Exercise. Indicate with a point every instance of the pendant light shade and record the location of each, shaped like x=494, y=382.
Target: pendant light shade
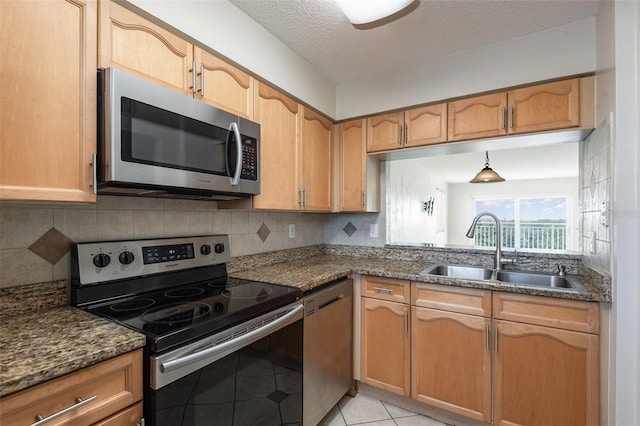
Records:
x=487, y=175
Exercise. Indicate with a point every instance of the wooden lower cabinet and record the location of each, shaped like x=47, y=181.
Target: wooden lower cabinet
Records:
x=545, y=376
x=451, y=361
x=385, y=345
x=114, y=385
x=501, y=358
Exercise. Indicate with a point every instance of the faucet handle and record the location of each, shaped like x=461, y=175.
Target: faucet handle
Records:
x=561, y=270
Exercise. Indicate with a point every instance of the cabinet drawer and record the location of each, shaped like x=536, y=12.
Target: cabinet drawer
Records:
x=128, y=417
x=115, y=383
x=548, y=311
x=386, y=289
x=454, y=299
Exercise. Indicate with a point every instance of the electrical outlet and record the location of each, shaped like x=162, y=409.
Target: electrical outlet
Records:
x=373, y=230
x=292, y=230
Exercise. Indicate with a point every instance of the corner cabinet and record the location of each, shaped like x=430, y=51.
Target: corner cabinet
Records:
x=385, y=335
x=48, y=77
x=107, y=394
x=295, y=154
x=315, y=160
x=557, y=105
x=414, y=127
x=359, y=173
x=134, y=44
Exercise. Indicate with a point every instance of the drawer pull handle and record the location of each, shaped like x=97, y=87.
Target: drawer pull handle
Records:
x=383, y=290
x=79, y=403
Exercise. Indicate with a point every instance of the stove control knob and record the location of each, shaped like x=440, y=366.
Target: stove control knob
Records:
x=126, y=257
x=101, y=260
x=219, y=248
x=205, y=249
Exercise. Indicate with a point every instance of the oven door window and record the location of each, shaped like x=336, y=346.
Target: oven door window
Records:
x=260, y=384
x=158, y=137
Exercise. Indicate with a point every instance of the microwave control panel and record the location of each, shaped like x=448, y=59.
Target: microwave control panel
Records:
x=249, y=159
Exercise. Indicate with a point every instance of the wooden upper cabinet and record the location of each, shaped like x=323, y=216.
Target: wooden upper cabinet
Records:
x=279, y=118
x=544, y=107
x=131, y=43
x=48, y=100
x=477, y=117
x=384, y=131
x=415, y=127
x=223, y=85
x=426, y=125
x=353, y=165
x=315, y=153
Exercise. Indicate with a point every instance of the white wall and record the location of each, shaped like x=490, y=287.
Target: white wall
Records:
x=557, y=52
x=224, y=28
x=625, y=326
x=407, y=189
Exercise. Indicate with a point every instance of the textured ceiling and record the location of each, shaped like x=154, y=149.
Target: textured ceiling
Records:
x=318, y=31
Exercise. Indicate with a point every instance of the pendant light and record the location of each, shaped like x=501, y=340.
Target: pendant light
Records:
x=487, y=175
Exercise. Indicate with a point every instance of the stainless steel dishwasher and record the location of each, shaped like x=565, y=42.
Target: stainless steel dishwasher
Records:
x=328, y=348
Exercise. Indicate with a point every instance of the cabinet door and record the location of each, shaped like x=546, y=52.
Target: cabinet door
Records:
x=384, y=132
x=477, y=117
x=223, y=85
x=48, y=100
x=426, y=125
x=545, y=376
x=385, y=345
x=451, y=362
x=353, y=165
x=315, y=153
x=545, y=107
x=131, y=43
x=278, y=118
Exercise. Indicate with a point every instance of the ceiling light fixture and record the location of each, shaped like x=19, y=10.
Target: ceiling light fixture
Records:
x=365, y=14
x=487, y=175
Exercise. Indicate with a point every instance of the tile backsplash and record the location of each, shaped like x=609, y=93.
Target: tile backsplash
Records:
x=35, y=238
x=595, y=197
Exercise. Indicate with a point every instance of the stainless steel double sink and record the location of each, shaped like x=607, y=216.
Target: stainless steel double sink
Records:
x=517, y=278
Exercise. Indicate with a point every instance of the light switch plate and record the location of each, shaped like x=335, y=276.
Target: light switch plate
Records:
x=373, y=230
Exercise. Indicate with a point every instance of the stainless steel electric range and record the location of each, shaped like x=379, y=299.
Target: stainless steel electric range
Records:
x=219, y=351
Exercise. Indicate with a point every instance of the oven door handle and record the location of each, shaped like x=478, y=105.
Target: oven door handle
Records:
x=249, y=337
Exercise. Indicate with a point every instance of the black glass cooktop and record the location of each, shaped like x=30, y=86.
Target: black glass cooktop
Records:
x=178, y=315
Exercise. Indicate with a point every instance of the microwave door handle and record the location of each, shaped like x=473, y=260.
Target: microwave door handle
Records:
x=235, y=179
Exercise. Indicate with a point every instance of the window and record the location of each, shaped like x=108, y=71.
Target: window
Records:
x=527, y=223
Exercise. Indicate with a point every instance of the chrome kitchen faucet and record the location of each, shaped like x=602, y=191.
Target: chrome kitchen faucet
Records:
x=497, y=261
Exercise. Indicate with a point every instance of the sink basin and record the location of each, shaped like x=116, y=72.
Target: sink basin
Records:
x=539, y=279
x=458, y=271
x=517, y=278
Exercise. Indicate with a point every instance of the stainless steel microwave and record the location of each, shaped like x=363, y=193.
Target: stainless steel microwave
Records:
x=158, y=143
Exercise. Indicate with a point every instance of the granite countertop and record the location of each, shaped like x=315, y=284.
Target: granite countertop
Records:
x=48, y=343
x=310, y=273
